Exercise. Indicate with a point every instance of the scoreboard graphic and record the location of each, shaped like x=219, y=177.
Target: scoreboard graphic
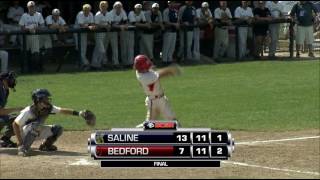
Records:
x=161, y=144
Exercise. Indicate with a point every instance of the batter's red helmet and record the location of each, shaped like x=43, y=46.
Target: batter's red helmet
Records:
x=142, y=63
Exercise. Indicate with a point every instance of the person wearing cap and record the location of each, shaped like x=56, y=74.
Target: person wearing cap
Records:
x=261, y=13
x=276, y=10
x=222, y=15
x=101, y=20
x=30, y=22
x=171, y=21
x=203, y=18
x=187, y=18
x=84, y=20
x=154, y=17
x=138, y=19
x=119, y=20
x=244, y=14
x=14, y=14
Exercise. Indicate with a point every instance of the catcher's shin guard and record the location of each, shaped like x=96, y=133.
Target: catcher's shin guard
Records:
x=47, y=145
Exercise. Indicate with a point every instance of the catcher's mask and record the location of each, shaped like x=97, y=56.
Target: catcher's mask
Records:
x=10, y=77
x=41, y=98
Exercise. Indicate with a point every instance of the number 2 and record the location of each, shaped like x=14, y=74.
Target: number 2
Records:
x=219, y=151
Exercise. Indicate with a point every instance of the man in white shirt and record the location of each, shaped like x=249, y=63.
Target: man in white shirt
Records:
x=102, y=21
x=276, y=10
x=204, y=16
x=14, y=14
x=243, y=13
x=31, y=21
x=154, y=17
x=222, y=15
x=119, y=20
x=84, y=20
x=30, y=126
x=138, y=19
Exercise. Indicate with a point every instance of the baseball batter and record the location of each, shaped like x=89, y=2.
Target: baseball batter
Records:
x=156, y=102
x=29, y=125
x=102, y=21
x=84, y=19
x=31, y=21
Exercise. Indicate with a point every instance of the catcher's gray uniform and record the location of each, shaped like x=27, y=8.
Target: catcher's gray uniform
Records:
x=102, y=41
x=119, y=19
x=147, y=41
x=81, y=19
x=31, y=22
x=4, y=61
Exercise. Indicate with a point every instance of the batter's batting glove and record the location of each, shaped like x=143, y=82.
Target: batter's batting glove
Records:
x=89, y=117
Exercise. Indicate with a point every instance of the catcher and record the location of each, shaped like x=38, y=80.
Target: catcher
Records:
x=149, y=79
x=29, y=125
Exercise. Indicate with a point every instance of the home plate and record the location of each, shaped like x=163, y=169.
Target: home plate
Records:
x=84, y=162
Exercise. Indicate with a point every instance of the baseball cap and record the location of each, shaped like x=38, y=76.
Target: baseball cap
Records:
x=205, y=5
x=155, y=5
x=30, y=3
x=138, y=6
x=56, y=12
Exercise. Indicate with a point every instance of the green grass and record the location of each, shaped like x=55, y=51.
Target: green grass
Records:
x=263, y=96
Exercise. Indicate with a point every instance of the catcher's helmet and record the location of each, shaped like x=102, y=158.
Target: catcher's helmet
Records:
x=142, y=63
x=39, y=94
x=10, y=77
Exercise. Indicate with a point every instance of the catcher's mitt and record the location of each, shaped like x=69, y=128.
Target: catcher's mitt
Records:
x=89, y=117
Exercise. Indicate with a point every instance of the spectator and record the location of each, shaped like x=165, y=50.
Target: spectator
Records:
x=154, y=18
x=204, y=18
x=303, y=13
x=138, y=19
x=55, y=21
x=84, y=20
x=261, y=14
x=31, y=21
x=187, y=17
x=275, y=9
x=171, y=21
x=244, y=14
x=221, y=34
x=102, y=21
x=14, y=14
x=119, y=20
x=3, y=53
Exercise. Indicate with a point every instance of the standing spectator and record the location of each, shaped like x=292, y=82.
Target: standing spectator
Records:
x=304, y=14
x=153, y=17
x=204, y=18
x=171, y=21
x=3, y=53
x=138, y=19
x=55, y=21
x=221, y=33
x=187, y=17
x=84, y=20
x=31, y=21
x=102, y=21
x=244, y=14
x=14, y=14
x=275, y=9
x=119, y=20
x=262, y=15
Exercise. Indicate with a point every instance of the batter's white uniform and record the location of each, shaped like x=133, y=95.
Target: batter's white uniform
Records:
x=276, y=11
x=221, y=34
x=15, y=13
x=81, y=19
x=156, y=102
x=4, y=61
x=102, y=42
x=147, y=39
x=201, y=16
x=134, y=18
x=118, y=20
x=30, y=22
x=26, y=117
x=243, y=32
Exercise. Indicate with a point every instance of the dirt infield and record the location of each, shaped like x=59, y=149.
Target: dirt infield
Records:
x=293, y=155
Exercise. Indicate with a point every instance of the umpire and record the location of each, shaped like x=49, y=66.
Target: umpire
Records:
x=7, y=80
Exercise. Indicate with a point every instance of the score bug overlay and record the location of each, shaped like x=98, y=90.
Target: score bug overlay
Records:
x=161, y=144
